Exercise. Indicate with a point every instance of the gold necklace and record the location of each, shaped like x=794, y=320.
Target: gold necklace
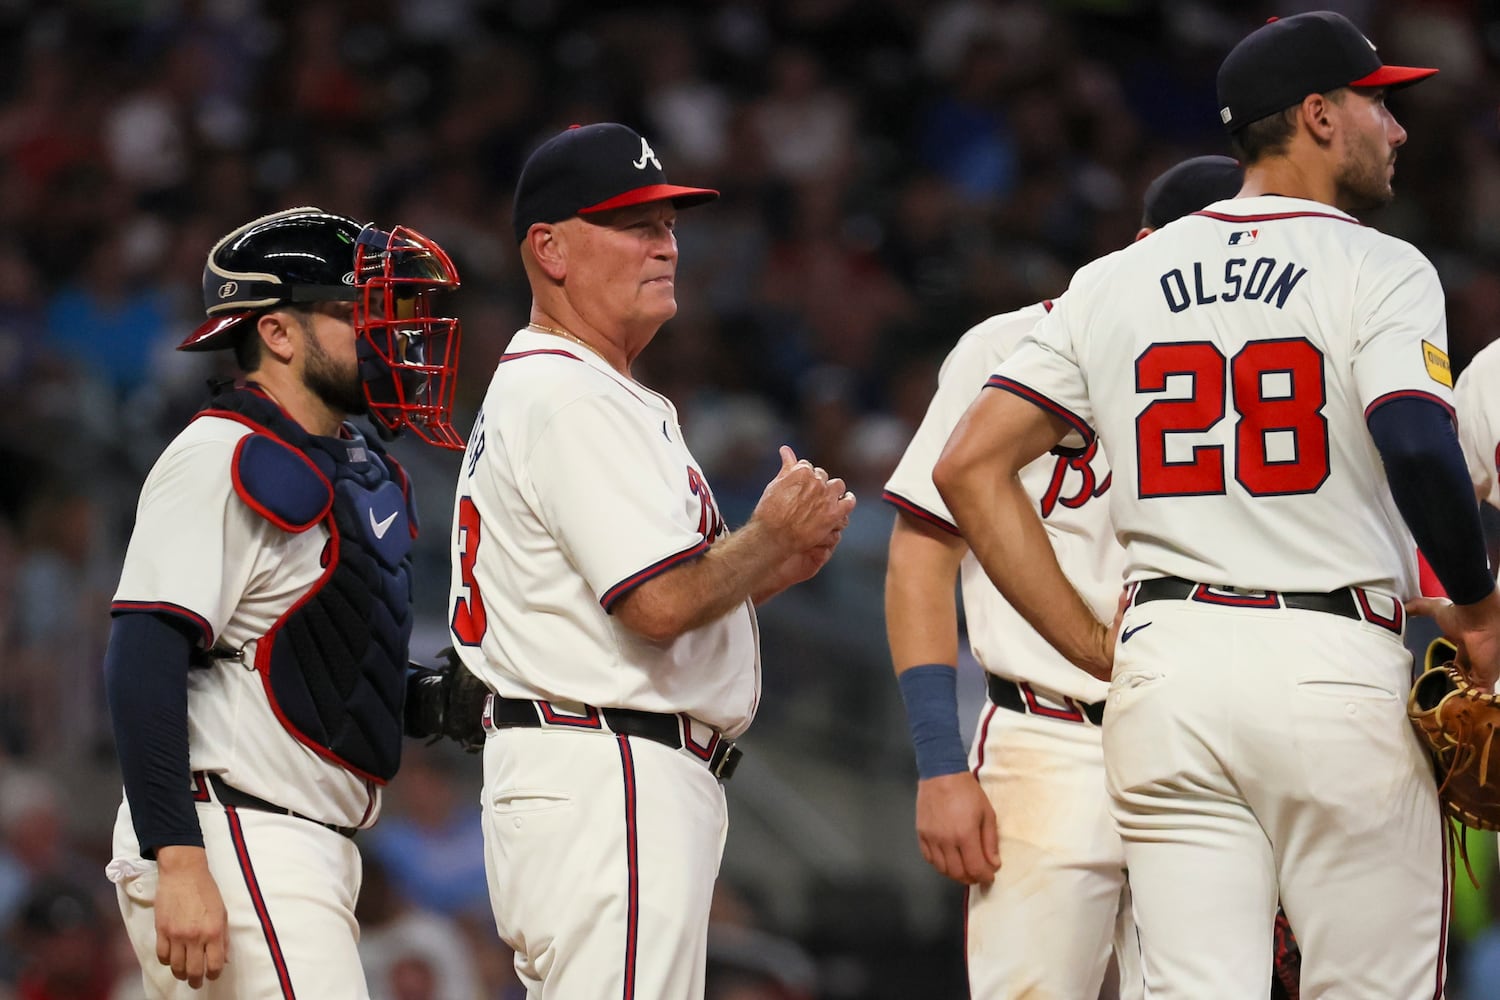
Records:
x=544, y=328
x=561, y=333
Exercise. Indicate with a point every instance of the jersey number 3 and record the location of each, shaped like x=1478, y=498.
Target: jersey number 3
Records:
x=469, y=622
x=1280, y=438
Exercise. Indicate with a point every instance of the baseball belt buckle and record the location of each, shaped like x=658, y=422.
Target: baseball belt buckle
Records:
x=725, y=759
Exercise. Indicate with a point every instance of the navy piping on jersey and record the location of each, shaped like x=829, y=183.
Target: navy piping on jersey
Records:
x=1032, y=396
x=1392, y=397
x=920, y=513
x=262, y=913
x=620, y=589
x=197, y=621
x=632, y=867
x=1277, y=216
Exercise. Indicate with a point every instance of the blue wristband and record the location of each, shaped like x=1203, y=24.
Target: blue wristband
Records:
x=930, y=691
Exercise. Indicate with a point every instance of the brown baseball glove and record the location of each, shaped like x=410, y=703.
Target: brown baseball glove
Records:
x=1457, y=722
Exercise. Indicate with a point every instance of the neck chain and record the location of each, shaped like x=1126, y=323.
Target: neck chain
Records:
x=559, y=332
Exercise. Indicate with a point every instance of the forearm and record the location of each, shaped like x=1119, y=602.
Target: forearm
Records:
x=1023, y=566
x=921, y=616
x=921, y=609
x=145, y=676
x=731, y=571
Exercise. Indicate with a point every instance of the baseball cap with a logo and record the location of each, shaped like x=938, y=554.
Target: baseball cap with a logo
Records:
x=1284, y=60
x=594, y=168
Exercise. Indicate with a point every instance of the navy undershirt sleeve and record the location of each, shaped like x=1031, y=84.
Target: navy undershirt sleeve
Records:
x=1431, y=487
x=145, y=680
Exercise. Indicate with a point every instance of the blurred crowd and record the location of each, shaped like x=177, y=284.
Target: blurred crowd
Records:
x=892, y=172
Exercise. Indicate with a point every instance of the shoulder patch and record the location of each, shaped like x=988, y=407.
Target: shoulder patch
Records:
x=279, y=483
x=1438, y=368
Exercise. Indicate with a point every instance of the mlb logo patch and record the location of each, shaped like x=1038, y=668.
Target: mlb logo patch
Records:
x=1243, y=237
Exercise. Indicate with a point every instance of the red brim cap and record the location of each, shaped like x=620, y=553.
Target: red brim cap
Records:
x=1393, y=76
x=215, y=334
x=682, y=197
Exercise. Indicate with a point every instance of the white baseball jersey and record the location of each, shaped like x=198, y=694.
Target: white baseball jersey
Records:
x=1479, y=420
x=199, y=553
x=577, y=487
x=1069, y=491
x=1228, y=373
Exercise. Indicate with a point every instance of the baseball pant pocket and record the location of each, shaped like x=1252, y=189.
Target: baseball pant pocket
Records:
x=1347, y=735
x=521, y=801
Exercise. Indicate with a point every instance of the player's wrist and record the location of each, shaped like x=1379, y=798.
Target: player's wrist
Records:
x=930, y=692
x=172, y=858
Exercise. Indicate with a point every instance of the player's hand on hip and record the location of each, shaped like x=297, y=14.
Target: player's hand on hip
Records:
x=192, y=926
x=957, y=829
x=1473, y=628
x=804, y=505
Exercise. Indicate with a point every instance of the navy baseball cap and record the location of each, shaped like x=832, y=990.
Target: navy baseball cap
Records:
x=1284, y=60
x=1189, y=186
x=594, y=168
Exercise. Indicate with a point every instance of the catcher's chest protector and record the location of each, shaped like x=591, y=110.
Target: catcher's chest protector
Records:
x=334, y=665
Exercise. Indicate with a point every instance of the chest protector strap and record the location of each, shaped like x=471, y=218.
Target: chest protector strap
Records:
x=334, y=665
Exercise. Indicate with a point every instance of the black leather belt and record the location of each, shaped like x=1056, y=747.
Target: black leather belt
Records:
x=1350, y=602
x=1020, y=698
x=719, y=755
x=228, y=795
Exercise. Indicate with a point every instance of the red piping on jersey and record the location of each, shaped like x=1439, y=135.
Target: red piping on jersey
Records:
x=1047, y=304
x=369, y=805
x=1032, y=396
x=906, y=506
x=1391, y=397
x=1277, y=216
x=614, y=593
x=175, y=610
x=569, y=354
x=632, y=868
x=262, y=509
x=262, y=914
x=516, y=355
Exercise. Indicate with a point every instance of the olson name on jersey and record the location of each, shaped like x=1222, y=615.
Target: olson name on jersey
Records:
x=1241, y=280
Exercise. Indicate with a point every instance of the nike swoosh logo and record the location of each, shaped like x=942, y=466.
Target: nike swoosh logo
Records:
x=381, y=527
x=664, y=431
x=1125, y=635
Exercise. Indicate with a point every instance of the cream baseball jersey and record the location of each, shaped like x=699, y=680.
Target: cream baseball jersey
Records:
x=1069, y=489
x=1479, y=421
x=576, y=488
x=1230, y=392
x=201, y=553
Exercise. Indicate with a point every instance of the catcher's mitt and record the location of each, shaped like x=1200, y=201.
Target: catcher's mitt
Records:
x=446, y=700
x=1457, y=721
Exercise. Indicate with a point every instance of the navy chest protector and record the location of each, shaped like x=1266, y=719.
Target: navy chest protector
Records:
x=334, y=665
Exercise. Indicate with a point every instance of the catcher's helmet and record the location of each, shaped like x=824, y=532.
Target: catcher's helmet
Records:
x=408, y=356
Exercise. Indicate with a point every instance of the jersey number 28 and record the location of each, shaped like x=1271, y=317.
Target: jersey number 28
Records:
x=1277, y=389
